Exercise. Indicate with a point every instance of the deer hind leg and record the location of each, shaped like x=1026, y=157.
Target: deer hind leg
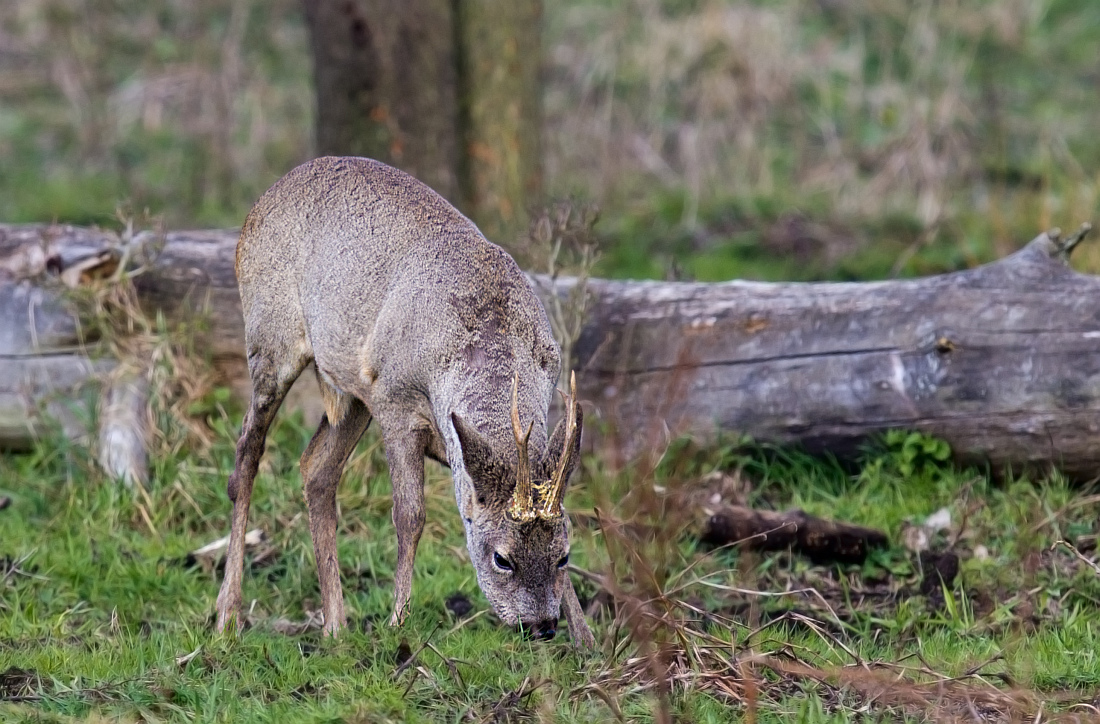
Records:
x=344, y=423
x=271, y=380
x=405, y=455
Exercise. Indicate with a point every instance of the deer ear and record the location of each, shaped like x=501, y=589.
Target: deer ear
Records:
x=554, y=449
x=482, y=463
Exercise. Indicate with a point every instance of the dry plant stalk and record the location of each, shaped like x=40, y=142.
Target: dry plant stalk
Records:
x=657, y=651
x=562, y=241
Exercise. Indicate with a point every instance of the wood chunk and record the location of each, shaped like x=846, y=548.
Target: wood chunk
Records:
x=765, y=530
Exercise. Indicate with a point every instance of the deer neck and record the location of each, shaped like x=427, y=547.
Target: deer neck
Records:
x=484, y=402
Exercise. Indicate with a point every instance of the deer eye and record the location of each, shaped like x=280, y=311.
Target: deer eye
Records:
x=564, y=561
x=501, y=562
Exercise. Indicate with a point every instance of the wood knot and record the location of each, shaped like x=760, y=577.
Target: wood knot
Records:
x=756, y=324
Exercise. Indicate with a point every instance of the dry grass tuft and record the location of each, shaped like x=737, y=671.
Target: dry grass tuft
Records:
x=180, y=380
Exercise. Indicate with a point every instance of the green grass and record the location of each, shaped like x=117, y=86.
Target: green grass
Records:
x=101, y=603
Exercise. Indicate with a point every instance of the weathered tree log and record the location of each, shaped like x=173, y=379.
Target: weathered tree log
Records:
x=1002, y=361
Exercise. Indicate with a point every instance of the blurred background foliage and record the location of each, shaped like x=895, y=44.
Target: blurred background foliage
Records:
x=766, y=139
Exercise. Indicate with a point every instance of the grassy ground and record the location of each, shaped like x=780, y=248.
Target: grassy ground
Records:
x=807, y=139
x=793, y=139
x=98, y=600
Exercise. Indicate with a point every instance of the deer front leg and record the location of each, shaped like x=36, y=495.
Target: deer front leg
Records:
x=405, y=454
x=574, y=615
x=267, y=395
x=321, y=465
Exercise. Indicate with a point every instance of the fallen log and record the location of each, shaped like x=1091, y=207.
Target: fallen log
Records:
x=1002, y=361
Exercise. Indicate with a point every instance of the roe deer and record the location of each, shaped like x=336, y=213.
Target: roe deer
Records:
x=415, y=320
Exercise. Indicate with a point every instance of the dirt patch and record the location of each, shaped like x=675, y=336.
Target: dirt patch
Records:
x=458, y=604
x=305, y=692
x=12, y=567
x=939, y=571
x=19, y=684
x=403, y=653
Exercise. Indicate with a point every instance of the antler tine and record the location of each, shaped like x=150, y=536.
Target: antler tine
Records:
x=552, y=504
x=522, y=503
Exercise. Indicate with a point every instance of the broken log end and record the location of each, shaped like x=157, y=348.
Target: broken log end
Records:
x=1066, y=247
x=124, y=427
x=1050, y=245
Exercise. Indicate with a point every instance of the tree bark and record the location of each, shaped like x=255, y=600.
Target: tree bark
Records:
x=501, y=102
x=387, y=84
x=1002, y=361
x=447, y=91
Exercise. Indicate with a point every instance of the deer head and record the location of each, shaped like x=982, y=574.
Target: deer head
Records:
x=516, y=529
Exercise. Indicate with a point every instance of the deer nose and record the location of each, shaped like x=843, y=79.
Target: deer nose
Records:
x=545, y=630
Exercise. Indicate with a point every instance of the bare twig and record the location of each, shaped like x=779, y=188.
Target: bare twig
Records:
x=412, y=657
x=1079, y=555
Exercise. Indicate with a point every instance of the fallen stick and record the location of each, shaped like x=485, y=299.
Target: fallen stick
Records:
x=214, y=549
x=819, y=539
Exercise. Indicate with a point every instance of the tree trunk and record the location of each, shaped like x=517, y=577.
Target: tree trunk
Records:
x=447, y=91
x=500, y=60
x=387, y=84
x=1002, y=361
